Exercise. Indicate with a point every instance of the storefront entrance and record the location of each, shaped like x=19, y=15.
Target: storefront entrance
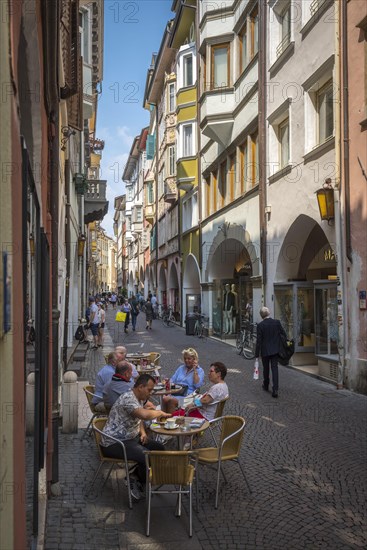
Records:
x=231, y=305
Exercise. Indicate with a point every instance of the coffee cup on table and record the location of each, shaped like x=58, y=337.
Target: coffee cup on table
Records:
x=171, y=422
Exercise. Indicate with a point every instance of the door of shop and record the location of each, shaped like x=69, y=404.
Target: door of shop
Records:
x=294, y=307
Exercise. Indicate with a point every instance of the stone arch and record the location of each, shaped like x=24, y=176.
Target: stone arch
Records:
x=305, y=252
x=173, y=277
x=190, y=282
x=231, y=246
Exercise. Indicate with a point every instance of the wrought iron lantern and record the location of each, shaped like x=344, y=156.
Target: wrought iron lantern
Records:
x=325, y=200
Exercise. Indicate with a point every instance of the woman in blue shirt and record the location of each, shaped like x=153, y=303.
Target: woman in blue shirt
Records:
x=189, y=375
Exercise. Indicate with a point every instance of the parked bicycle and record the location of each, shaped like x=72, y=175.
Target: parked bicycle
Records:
x=168, y=317
x=200, y=327
x=246, y=340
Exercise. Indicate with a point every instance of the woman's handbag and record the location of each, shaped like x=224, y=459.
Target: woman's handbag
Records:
x=120, y=317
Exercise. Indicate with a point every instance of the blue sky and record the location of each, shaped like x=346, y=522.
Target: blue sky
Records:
x=133, y=31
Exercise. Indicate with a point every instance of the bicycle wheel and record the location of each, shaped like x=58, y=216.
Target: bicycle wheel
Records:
x=239, y=343
x=249, y=346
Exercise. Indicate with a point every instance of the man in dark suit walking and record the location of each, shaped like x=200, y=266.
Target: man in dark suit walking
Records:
x=268, y=345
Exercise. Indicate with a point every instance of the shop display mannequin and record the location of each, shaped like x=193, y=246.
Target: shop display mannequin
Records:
x=228, y=307
x=234, y=312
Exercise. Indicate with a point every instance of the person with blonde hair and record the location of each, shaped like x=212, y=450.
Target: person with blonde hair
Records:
x=189, y=375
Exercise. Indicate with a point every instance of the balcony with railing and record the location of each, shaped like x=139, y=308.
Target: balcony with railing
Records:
x=95, y=203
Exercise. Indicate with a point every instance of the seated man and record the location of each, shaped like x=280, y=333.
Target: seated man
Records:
x=126, y=423
x=104, y=376
x=122, y=352
x=205, y=406
x=120, y=383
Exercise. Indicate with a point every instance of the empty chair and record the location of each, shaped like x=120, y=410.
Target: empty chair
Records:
x=170, y=468
x=89, y=392
x=98, y=425
x=227, y=448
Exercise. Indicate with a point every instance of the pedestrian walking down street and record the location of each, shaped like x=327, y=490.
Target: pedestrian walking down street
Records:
x=148, y=308
x=268, y=346
x=126, y=308
x=113, y=300
x=135, y=310
x=102, y=320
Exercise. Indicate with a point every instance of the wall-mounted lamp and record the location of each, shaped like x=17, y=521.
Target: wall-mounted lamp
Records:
x=81, y=245
x=268, y=211
x=66, y=132
x=325, y=200
x=31, y=244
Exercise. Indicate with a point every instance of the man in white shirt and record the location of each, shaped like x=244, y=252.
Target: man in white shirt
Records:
x=94, y=321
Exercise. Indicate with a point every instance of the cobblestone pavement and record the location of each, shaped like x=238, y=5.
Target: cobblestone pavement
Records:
x=305, y=456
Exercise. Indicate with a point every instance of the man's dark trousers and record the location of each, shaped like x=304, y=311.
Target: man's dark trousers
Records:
x=267, y=361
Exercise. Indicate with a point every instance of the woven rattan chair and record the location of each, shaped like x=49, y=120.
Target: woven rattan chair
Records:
x=228, y=448
x=98, y=425
x=154, y=358
x=170, y=468
x=218, y=413
x=89, y=392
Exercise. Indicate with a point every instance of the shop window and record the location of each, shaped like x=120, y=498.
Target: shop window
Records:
x=326, y=307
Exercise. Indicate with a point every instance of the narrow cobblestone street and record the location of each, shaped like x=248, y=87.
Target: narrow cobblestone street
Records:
x=304, y=454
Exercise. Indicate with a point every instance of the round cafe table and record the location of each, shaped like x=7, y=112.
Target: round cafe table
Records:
x=184, y=428
x=161, y=391
x=148, y=369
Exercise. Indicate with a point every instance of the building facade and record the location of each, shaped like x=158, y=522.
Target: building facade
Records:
x=270, y=157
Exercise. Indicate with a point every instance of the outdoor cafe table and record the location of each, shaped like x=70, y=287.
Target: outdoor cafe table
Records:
x=162, y=391
x=184, y=428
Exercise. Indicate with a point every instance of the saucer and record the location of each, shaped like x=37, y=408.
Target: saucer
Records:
x=171, y=427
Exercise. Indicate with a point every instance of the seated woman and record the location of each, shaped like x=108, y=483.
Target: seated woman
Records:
x=189, y=375
x=205, y=406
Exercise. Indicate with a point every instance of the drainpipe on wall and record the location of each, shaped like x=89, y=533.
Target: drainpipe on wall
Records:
x=67, y=254
x=262, y=142
x=198, y=134
x=344, y=31
x=339, y=207
x=156, y=194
